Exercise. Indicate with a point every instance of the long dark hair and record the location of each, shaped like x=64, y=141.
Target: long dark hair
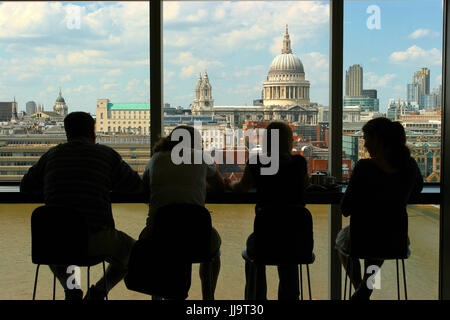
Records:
x=285, y=137
x=391, y=135
x=166, y=143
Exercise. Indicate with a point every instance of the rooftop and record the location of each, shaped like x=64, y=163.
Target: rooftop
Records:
x=128, y=106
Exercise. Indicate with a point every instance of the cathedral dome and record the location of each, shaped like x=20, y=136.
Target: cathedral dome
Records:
x=286, y=62
x=286, y=85
x=60, y=99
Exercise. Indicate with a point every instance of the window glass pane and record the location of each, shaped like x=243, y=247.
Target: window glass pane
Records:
x=60, y=57
x=233, y=222
x=393, y=69
x=235, y=67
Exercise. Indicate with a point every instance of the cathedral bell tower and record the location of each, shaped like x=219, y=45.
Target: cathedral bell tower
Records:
x=203, y=94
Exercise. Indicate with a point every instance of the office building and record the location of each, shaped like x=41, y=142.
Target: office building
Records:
x=422, y=77
x=370, y=93
x=354, y=81
x=30, y=107
x=8, y=110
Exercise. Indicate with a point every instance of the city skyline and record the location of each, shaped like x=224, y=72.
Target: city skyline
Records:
x=109, y=57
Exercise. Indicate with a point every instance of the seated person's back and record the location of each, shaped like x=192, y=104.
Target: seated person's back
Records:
x=286, y=187
x=171, y=183
x=81, y=174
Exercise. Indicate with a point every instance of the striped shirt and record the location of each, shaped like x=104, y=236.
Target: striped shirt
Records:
x=81, y=174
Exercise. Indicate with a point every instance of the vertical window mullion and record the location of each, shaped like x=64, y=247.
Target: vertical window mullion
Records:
x=156, y=66
x=335, y=139
x=444, y=223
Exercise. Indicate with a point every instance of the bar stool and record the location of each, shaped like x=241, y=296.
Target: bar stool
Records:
x=59, y=236
x=160, y=265
x=274, y=262
x=402, y=258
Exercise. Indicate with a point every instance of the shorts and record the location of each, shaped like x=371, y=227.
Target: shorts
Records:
x=216, y=241
x=343, y=240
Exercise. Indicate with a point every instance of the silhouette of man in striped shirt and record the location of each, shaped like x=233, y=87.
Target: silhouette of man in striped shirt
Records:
x=81, y=174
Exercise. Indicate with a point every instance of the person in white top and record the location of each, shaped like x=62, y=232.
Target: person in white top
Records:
x=173, y=177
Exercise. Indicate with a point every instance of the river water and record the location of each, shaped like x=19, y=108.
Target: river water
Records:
x=234, y=223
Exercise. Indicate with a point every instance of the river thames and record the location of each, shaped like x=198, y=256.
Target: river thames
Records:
x=234, y=223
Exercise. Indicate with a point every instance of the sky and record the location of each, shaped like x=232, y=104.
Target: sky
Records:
x=98, y=50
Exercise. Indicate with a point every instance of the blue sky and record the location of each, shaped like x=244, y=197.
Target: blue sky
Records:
x=107, y=57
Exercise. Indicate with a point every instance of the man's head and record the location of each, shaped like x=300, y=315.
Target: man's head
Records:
x=79, y=125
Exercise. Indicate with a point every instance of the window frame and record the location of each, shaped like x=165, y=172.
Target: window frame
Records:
x=335, y=149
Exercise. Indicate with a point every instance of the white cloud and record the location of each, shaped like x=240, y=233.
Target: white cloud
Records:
x=83, y=89
x=198, y=16
x=29, y=20
x=220, y=13
x=438, y=80
x=67, y=77
x=247, y=24
x=375, y=81
x=131, y=85
x=422, y=33
x=415, y=55
x=26, y=76
x=108, y=86
x=50, y=89
x=114, y=72
x=316, y=67
x=187, y=72
x=191, y=64
x=170, y=11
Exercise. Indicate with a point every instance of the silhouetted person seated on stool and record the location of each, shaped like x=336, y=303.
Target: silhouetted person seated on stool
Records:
x=81, y=174
x=280, y=201
x=376, y=199
x=183, y=182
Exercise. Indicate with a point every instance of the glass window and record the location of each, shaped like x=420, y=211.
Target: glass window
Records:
x=255, y=62
x=393, y=69
x=81, y=56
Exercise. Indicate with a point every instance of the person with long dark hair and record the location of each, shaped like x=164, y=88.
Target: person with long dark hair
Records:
x=283, y=226
x=169, y=182
x=376, y=200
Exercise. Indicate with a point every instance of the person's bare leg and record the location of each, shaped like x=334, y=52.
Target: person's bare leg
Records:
x=354, y=271
x=367, y=264
x=365, y=290
x=214, y=268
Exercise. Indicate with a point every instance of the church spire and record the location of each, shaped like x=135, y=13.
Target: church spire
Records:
x=286, y=42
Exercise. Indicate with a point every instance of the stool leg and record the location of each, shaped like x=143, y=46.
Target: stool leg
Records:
x=104, y=277
x=309, y=282
x=301, y=282
x=35, y=281
x=404, y=278
x=345, y=285
x=398, y=281
x=208, y=280
x=211, y=289
x=54, y=286
x=88, y=280
x=350, y=280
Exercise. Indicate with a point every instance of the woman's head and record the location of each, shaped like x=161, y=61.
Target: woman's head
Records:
x=386, y=138
x=285, y=137
x=180, y=133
